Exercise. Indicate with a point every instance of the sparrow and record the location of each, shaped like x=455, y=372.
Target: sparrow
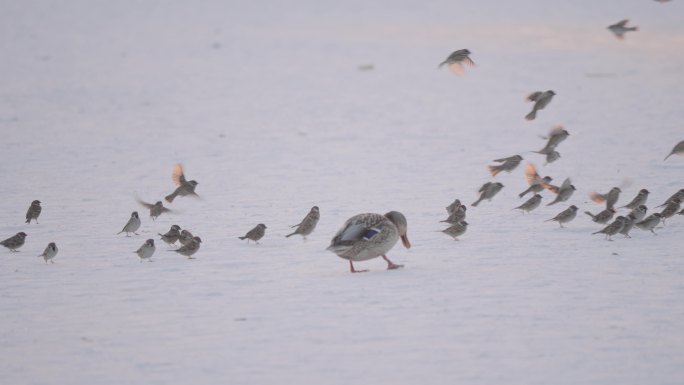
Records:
x=49, y=253
x=456, y=230
x=456, y=60
x=602, y=217
x=613, y=228
x=537, y=184
x=185, y=237
x=146, y=250
x=610, y=197
x=678, y=195
x=649, y=223
x=639, y=200
x=678, y=149
x=639, y=212
x=507, y=164
x=457, y=216
x=671, y=209
x=33, y=211
x=172, y=235
x=541, y=99
x=630, y=220
x=156, y=209
x=452, y=207
x=564, y=192
x=620, y=28
x=530, y=204
x=487, y=191
x=15, y=242
x=556, y=135
x=189, y=249
x=308, y=224
x=184, y=187
x=256, y=233
x=565, y=216
x=552, y=157
x=132, y=225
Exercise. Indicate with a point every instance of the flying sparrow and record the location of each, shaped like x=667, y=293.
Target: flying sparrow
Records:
x=639, y=212
x=602, y=217
x=649, y=223
x=565, y=216
x=609, y=198
x=172, y=235
x=146, y=250
x=613, y=228
x=530, y=204
x=189, y=249
x=671, y=209
x=456, y=230
x=639, y=199
x=33, y=211
x=564, y=192
x=507, y=164
x=14, y=242
x=678, y=149
x=556, y=135
x=537, y=183
x=308, y=224
x=156, y=209
x=457, y=216
x=256, y=233
x=456, y=60
x=620, y=28
x=487, y=191
x=184, y=187
x=49, y=253
x=132, y=225
x=541, y=99
x=185, y=237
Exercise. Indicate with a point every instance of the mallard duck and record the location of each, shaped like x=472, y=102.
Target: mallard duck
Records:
x=367, y=236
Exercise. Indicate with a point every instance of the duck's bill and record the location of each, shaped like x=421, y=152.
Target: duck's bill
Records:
x=405, y=241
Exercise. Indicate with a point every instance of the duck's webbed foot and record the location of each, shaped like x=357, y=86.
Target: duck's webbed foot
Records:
x=391, y=265
x=353, y=270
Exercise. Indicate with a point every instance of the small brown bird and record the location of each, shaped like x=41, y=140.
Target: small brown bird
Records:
x=33, y=211
x=487, y=191
x=620, y=28
x=146, y=250
x=172, y=236
x=610, y=198
x=189, y=249
x=565, y=216
x=185, y=237
x=678, y=195
x=630, y=220
x=530, y=204
x=639, y=199
x=456, y=60
x=156, y=209
x=541, y=99
x=564, y=192
x=184, y=187
x=457, y=216
x=507, y=164
x=132, y=225
x=639, y=212
x=256, y=233
x=602, y=217
x=14, y=242
x=308, y=224
x=678, y=149
x=555, y=137
x=671, y=209
x=613, y=228
x=537, y=183
x=456, y=230
x=649, y=223
x=452, y=207
x=49, y=253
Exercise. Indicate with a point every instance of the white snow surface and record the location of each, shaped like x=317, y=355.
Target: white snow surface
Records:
x=264, y=105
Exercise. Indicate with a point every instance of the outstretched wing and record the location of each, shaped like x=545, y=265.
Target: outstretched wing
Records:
x=533, y=96
x=178, y=176
x=531, y=174
x=145, y=204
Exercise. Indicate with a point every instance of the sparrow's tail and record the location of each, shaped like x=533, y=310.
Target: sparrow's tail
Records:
x=289, y=235
x=633, y=29
x=442, y=64
x=668, y=156
x=242, y=237
x=169, y=198
x=549, y=220
x=522, y=194
x=531, y=115
x=494, y=170
x=598, y=232
x=590, y=214
x=552, y=203
x=477, y=202
x=28, y=220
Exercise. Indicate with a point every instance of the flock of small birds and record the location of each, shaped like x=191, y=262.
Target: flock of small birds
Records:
x=367, y=236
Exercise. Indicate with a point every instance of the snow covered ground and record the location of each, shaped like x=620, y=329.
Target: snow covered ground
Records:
x=265, y=106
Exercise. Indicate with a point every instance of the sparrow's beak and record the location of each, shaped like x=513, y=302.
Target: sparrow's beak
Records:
x=405, y=241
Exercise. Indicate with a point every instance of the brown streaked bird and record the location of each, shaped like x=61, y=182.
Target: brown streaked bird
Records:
x=564, y=192
x=537, y=183
x=488, y=191
x=456, y=230
x=190, y=248
x=649, y=223
x=457, y=216
x=530, y=204
x=14, y=242
x=49, y=253
x=184, y=187
x=456, y=60
x=565, y=216
x=255, y=234
x=33, y=211
x=146, y=250
x=613, y=228
x=603, y=217
x=555, y=137
x=678, y=149
x=185, y=237
x=132, y=225
x=639, y=212
x=156, y=209
x=630, y=220
x=678, y=195
x=541, y=99
x=453, y=207
x=507, y=164
x=308, y=224
x=639, y=199
x=671, y=209
x=610, y=198
x=171, y=236
x=620, y=28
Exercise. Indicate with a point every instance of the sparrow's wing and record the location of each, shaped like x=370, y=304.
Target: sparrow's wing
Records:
x=165, y=210
x=484, y=187
x=145, y=204
x=533, y=96
x=505, y=159
x=456, y=68
x=596, y=197
x=566, y=184
x=469, y=61
x=178, y=176
x=531, y=174
x=555, y=130
x=622, y=23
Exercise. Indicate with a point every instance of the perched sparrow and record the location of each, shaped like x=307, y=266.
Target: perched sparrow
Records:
x=457, y=216
x=630, y=220
x=452, y=207
x=557, y=135
x=639, y=199
x=456, y=230
x=537, y=184
x=49, y=253
x=156, y=209
x=613, y=228
x=507, y=164
x=132, y=225
x=565, y=216
x=541, y=99
x=172, y=235
x=639, y=212
x=487, y=191
x=671, y=209
x=620, y=28
x=146, y=250
x=189, y=249
x=308, y=224
x=33, y=211
x=256, y=233
x=610, y=198
x=649, y=223
x=185, y=237
x=15, y=242
x=530, y=204
x=564, y=192
x=456, y=60
x=678, y=195
x=602, y=217
x=184, y=187
x=678, y=149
